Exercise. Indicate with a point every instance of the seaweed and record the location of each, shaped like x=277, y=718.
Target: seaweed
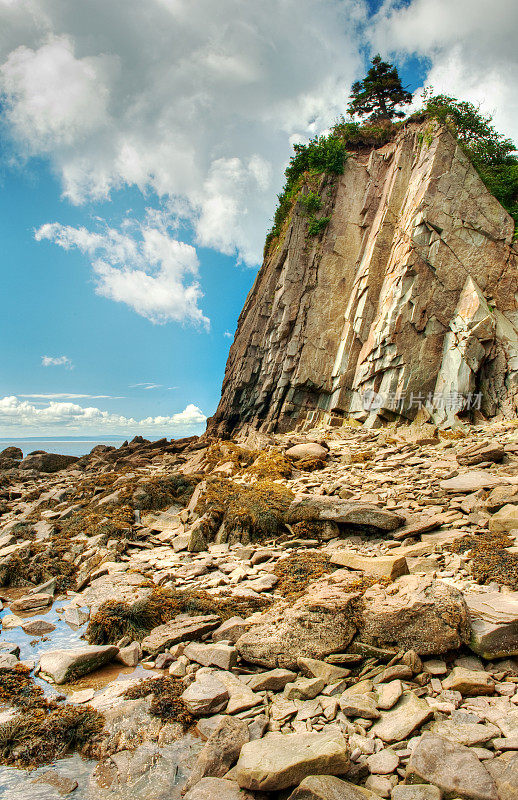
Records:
x=166, y=702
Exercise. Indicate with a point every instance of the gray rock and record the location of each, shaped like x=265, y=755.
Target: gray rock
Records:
x=505, y=775
x=472, y=482
x=385, y=762
x=307, y=450
x=331, y=509
x=38, y=627
x=47, y=462
x=60, y=783
x=31, y=602
x=389, y=694
x=451, y=767
x=494, y=623
x=303, y=689
x=230, y=630
x=359, y=705
x=470, y=683
x=419, y=791
x=278, y=761
x=68, y=665
x=130, y=655
x=219, y=655
x=273, y=681
x=314, y=668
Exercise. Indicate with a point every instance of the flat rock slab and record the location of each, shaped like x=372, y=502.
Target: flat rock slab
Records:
x=451, y=767
x=409, y=713
x=469, y=682
x=494, y=623
x=206, y=695
x=330, y=509
x=328, y=787
x=272, y=681
x=68, y=665
x=278, y=761
x=379, y=566
x=164, y=636
x=472, y=482
x=217, y=789
x=31, y=602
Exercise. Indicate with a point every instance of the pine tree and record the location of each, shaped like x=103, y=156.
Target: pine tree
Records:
x=379, y=93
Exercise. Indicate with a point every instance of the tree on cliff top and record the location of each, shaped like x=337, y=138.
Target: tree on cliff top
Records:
x=379, y=93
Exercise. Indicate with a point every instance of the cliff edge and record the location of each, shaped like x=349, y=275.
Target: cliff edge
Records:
x=407, y=297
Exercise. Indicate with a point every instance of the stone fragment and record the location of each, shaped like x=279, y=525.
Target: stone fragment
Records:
x=416, y=612
x=60, y=783
x=219, y=655
x=221, y=750
x=419, y=791
x=505, y=775
x=278, y=761
x=323, y=508
x=359, y=705
x=11, y=621
x=303, y=689
x=164, y=636
x=273, y=681
x=384, y=762
x=230, y=630
x=504, y=520
x=409, y=713
x=451, y=767
x=469, y=734
x=389, y=694
x=63, y=666
x=314, y=668
x=379, y=784
x=83, y=696
x=480, y=452
x=241, y=697
x=130, y=655
x=391, y=567
x=8, y=661
x=206, y=695
x=38, y=627
x=31, y=602
x=469, y=683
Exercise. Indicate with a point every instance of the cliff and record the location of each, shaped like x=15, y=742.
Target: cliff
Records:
x=410, y=293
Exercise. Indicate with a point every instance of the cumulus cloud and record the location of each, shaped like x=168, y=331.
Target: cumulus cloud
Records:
x=18, y=415
x=151, y=272
x=471, y=48
x=191, y=99
x=57, y=361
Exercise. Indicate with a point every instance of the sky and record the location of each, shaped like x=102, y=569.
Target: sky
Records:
x=142, y=146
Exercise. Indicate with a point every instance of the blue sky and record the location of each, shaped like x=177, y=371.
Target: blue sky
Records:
x=143, y=145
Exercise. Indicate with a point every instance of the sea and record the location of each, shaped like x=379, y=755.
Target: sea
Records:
x=64, y=446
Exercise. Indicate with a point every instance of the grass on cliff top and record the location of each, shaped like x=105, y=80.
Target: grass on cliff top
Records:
x=166, y=703
x=42, y=730
x=115, y=619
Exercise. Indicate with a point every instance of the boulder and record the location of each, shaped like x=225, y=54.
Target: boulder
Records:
x=409, y=713
x=415, y=613
x=317, y=624
x=219, y=655
x=493, y=618
x=278, y=761
x=221, y=750
x=47, y=462
x=13, y=453
x=480, y=452
x=502, y=496
x=230, y=630
x=330, y=509
x=451, y=767
x=505, y=775
x=164, y=636
x=63, y=666
x=307, y=450
x=38, y=627
x=31, y=602
x=391, y=567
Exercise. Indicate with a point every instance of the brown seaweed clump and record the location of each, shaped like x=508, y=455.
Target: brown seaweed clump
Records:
x=115, y=619
x=166, y=702
x=38, y=563
x=271, y=464
x=490, y=561
x=42, y=730
x=297, y=571
x=249, y=513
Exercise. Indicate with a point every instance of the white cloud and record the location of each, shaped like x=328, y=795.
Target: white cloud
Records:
x=153, y=274
x=192, y=99
x=69, y=396
x=471, y=47
x=20, y=416
x=146, y=386
x=56, y=361
x=228, y=335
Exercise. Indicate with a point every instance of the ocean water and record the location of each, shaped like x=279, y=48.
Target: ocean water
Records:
x=66, y=447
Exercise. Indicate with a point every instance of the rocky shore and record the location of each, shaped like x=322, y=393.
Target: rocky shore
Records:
x=328, y=614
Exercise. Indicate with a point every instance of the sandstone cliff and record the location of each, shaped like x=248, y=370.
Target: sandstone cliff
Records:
x=410, y=292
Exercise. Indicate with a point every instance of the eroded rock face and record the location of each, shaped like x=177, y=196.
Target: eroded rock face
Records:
x=412, y=285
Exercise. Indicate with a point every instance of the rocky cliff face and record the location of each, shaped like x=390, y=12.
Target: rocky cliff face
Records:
x=410, y=293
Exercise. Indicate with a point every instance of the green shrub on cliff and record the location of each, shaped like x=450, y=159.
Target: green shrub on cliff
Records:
x=323, y=154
